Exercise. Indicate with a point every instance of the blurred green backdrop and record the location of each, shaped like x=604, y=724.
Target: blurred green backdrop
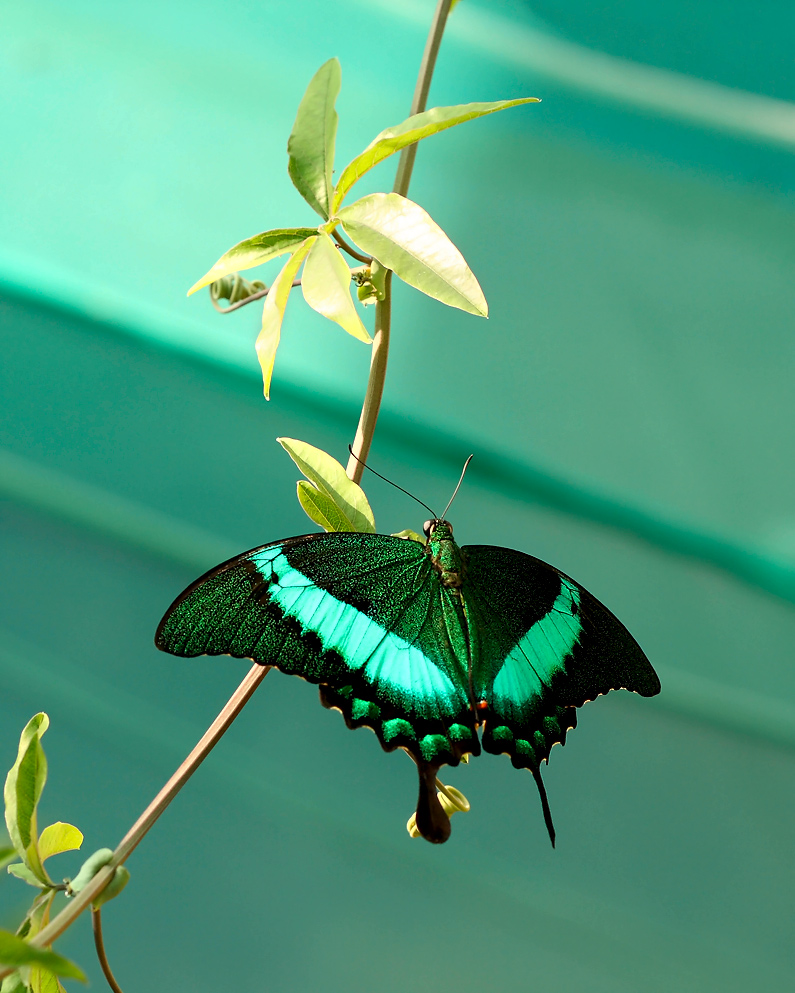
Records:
x=630, y=406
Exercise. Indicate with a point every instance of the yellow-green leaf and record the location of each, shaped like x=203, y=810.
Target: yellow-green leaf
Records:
x=254, y=251
x=321, y=508
x=409, y=535
x=330, y=478
x=311, y=143
x=23, y=788
x=44, y=981
x=57, y=838
x=13, y=983
x=21, y=871
x=273, y=313
x=411, y=130
x=18, y=952
x=405, y=239
x=326, y=285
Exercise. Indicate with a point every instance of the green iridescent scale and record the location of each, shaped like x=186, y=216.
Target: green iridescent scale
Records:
x=426, y=645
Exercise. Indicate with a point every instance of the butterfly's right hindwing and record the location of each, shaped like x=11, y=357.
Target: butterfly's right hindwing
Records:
x=542, y=646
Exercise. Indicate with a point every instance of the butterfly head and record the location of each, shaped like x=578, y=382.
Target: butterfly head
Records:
x=437, y=529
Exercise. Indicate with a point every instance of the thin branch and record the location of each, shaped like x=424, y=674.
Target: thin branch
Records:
x=375, y=385
x=242, y=303
x=420, y=102
x=366, y=259
x=209, y=739
x=383, y=309
x=96, y=924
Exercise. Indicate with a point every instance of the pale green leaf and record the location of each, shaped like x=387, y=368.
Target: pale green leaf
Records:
x=408, y=241
x=39, y=914
x=57, y=838
x=13, y=983
x=311, y=144
x=411, y=130
x=254, y=251
x=96, y=861
x=409, y=535
x=23, y=788
x=21, y=871
x=273, y=313
x=326, y=285
x=16, y=951
x=7, y=854
x=330, y=478
x=321, y=508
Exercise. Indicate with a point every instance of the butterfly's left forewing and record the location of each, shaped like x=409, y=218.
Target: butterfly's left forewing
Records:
x=541, y=647
x=363, y=615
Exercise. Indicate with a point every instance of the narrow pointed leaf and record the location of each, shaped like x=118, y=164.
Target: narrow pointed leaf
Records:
x=273, y=313
x=330, y=478
x=311, y=144
x=59, y=837
x=23, y=788
x=326, y=285
x=414, y=129
x=16, y=951
x=254, y=251
x=405, y=239
x=321, y=508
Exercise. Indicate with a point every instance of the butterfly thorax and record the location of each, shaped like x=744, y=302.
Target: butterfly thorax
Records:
x=445, y=555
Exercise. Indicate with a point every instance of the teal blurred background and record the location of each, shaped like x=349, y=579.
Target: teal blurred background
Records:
x=630, y=405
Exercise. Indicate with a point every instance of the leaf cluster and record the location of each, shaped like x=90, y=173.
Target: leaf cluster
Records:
x=392, y=232
x=37, y=969
x=329, y=498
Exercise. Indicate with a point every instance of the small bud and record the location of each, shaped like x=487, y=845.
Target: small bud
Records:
x=452, y=801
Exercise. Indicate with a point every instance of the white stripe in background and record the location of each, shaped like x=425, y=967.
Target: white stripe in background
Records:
x=672, y=94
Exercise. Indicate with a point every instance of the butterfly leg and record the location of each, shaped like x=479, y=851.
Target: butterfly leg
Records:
x=432, y=822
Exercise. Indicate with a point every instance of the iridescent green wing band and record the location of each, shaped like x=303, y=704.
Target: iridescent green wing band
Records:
x=363, y=615
x=542, y=646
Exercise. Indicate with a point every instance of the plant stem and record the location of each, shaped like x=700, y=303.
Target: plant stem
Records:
x=420, y=102
x=99, y=943
x=209, y=739
x=361, y=449
x=375, y=384
x=383, y=309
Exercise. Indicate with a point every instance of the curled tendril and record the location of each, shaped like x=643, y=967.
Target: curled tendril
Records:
x=236, y=290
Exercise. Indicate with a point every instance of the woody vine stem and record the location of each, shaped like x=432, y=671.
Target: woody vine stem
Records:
x=360, y=451
x=383, y=309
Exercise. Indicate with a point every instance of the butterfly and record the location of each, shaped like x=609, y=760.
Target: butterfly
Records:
x=441, y=650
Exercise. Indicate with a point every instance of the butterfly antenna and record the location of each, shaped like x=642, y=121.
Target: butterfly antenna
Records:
x=458, y=487
x=366, y=466
x=544, y=804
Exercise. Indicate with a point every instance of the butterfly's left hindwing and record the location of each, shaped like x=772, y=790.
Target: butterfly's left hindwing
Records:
x=363, y=615
x=541, y=647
